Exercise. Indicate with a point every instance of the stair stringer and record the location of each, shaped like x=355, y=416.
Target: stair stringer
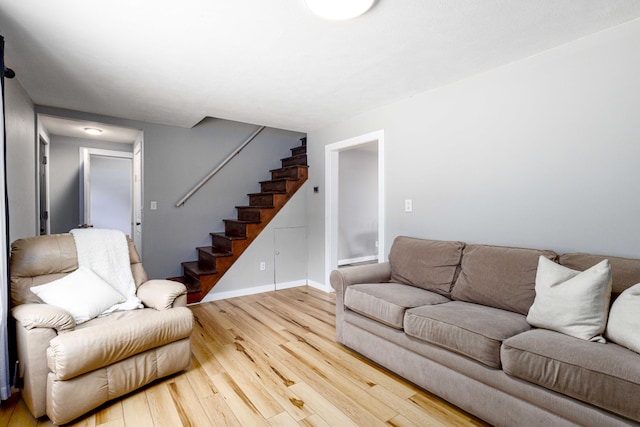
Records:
x=244, y=277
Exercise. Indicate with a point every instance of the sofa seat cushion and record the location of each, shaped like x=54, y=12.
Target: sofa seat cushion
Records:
x=605, y=375
x=472, y=330
x=99, y=343
x=499, y=276
x=427, y=264
x=387, y=302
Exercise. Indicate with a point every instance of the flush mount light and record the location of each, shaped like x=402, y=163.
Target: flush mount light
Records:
x=339, y=9
x=93, y=131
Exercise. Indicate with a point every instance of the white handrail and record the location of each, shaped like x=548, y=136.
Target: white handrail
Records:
x=220, y=166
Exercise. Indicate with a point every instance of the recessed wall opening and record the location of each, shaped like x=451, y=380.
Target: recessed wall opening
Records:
x=349, y=241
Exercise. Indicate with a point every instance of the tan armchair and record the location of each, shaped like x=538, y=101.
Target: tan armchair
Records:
x=68, y=369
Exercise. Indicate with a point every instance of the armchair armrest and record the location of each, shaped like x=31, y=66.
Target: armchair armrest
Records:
x=162, y=294
x=369, y=273
x=43, y=316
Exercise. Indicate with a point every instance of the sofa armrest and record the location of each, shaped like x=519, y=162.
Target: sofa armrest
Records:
x=369, y=273
x=162, y=294
x=43, y=316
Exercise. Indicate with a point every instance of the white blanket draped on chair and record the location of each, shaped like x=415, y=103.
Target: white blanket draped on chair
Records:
x=106, y=253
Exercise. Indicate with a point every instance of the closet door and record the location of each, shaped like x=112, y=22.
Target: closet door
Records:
x=290, y=257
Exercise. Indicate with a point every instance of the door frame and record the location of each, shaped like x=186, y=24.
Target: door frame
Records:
x=42, y=184
x=332, y=184
x=85, y=180
x=138, y=192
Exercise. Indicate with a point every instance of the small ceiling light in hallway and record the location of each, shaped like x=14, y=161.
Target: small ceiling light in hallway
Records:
x=93, y=131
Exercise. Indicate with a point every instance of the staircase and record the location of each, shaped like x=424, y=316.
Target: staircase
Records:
x=213, y=261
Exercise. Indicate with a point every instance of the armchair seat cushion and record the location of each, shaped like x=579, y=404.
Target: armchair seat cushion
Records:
x=104, y=341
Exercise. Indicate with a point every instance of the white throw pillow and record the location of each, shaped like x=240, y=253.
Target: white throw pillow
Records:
x=572, y=302
x=624, y=319
x=81, y=293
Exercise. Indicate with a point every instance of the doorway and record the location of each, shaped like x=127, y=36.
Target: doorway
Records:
x=107, y=190
x=65, y=138
x=332, y=196
x=358, y=205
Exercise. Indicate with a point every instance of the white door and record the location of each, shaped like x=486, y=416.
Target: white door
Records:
x=290, y=263
x=107, y=190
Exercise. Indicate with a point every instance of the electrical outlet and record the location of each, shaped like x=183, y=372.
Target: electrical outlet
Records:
x=263, y=266
x=408, y=205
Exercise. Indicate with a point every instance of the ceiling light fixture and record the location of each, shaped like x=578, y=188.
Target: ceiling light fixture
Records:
x=339, y=9
x=93, y=131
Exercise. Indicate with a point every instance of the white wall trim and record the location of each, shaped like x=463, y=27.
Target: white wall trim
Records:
x=326, y=288
x=358, y=259
x=292, y=284
x=261, y=289
x=331, y=196
x=237, y=293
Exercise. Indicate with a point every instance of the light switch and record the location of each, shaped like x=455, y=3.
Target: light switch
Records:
x=154, y=205
x=408, y=205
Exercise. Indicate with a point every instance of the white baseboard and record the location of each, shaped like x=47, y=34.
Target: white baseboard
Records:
x=322, y=287
x=215, y=296
x=294, y=284
x=356, y=260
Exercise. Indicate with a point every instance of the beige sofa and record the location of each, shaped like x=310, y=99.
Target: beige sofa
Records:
x=67, y=369
x=452, y=318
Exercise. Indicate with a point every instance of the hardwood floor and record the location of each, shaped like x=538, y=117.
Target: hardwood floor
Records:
x=269, y=360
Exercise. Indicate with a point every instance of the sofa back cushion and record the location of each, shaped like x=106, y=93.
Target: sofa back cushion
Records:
x=427, y=264
x=625, y=272
x=499, y=276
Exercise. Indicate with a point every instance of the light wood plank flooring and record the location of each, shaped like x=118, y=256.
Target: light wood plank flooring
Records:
x=269, y=360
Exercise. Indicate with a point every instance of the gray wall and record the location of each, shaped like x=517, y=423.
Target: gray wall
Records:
x=358, y=204
x=64, y=178
x=21, y=161
x=543, y=152
x=174, y=160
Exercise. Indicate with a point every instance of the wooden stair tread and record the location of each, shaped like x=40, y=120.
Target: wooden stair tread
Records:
x=277, y=180
x=266, y=193
x=219, y=234
x=297, y=156
x=214, y=252
x=241, y=221
x=290, y=167
x=255, y=207
x=198, y=270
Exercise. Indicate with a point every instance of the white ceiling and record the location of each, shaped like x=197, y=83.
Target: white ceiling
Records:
x=75, y=128
x=272, y=62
